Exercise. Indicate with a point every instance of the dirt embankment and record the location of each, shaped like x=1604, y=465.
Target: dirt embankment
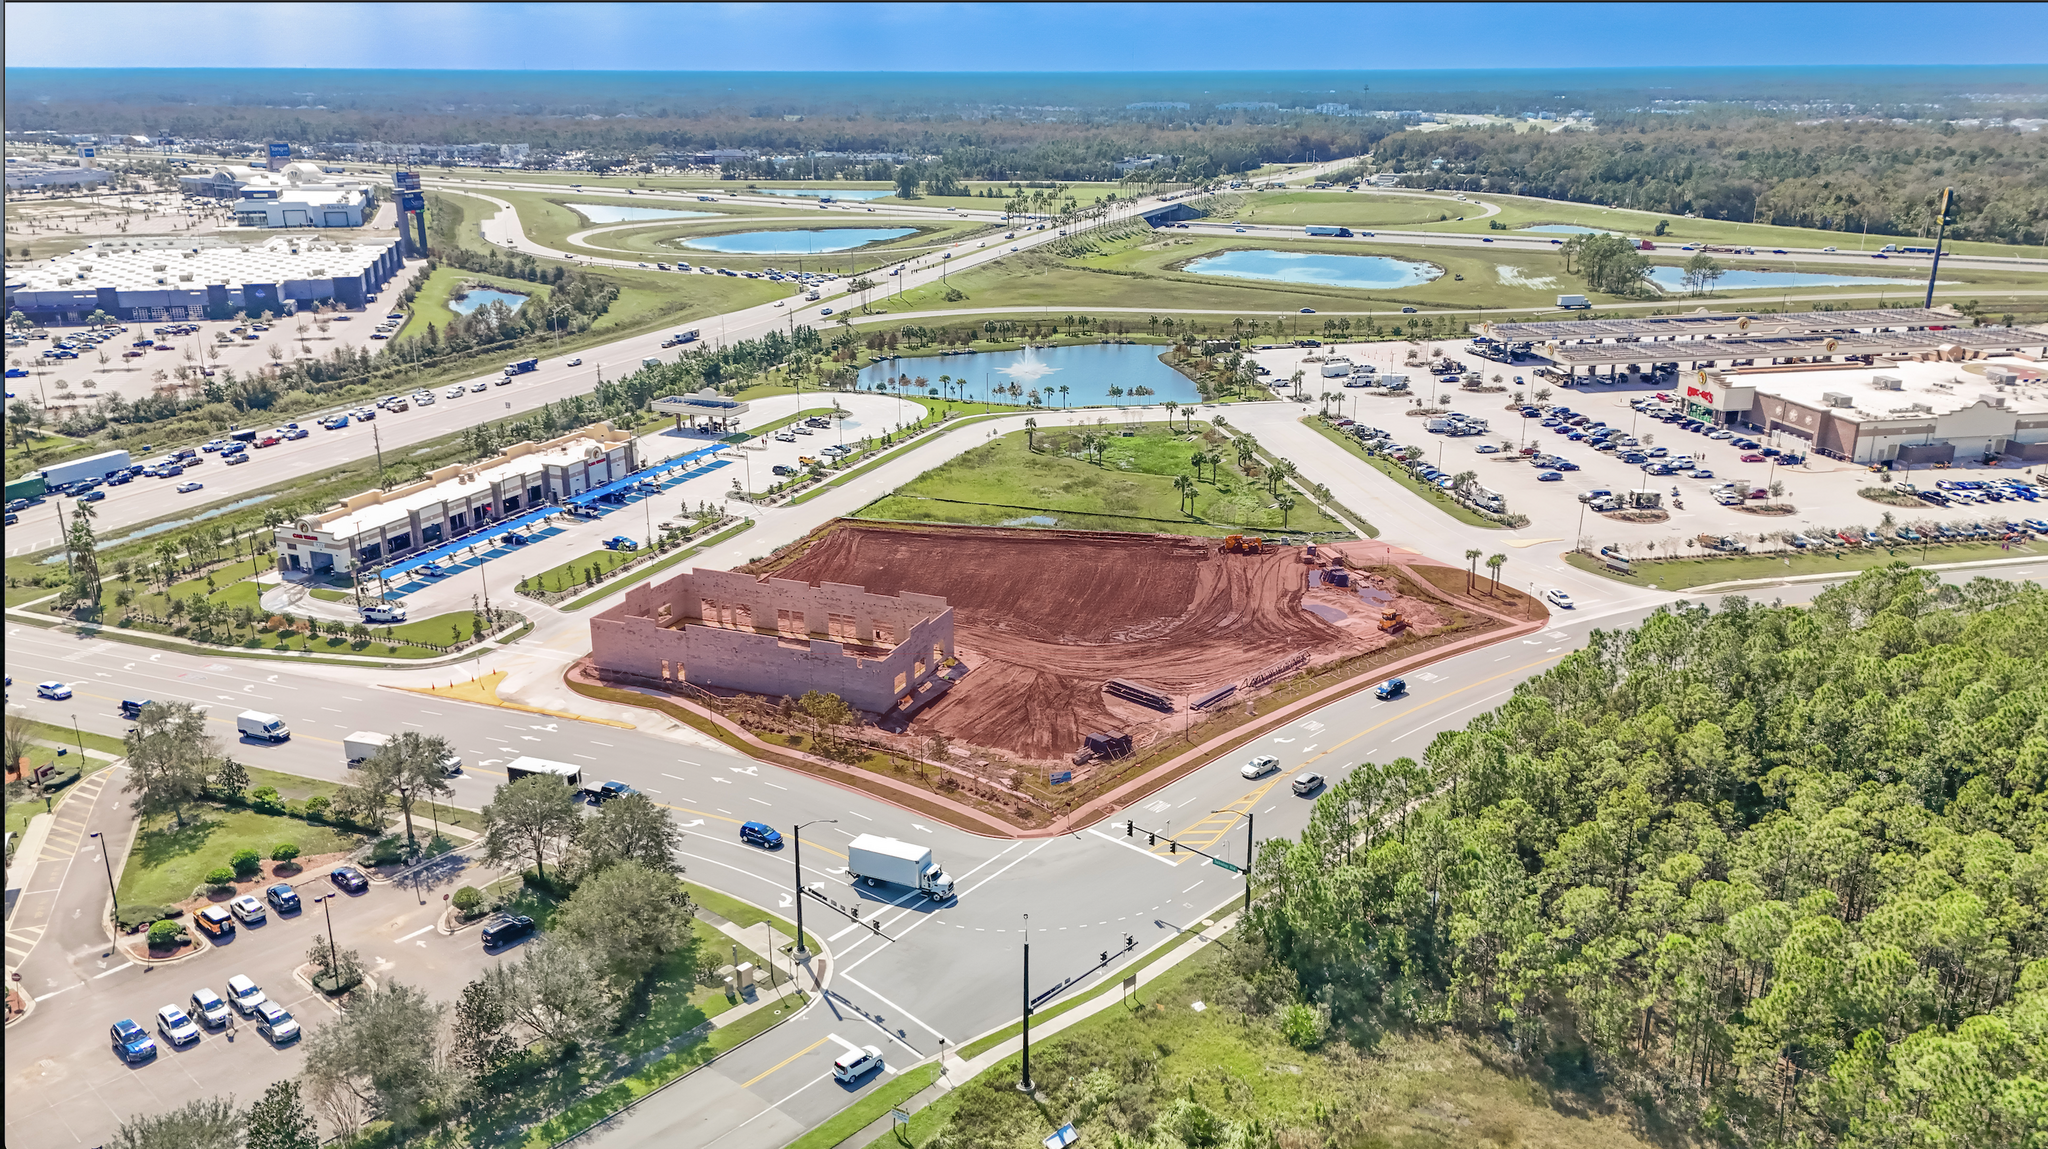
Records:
x=1044, y=618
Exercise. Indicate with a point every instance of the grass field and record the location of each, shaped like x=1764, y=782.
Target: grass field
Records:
x=1679, y=574
x=431, y=305
x=1003, y=483
x=166, y=862
x=1159, y=1060
x=1422, y=209
x=1147, y=270
x=666, y=241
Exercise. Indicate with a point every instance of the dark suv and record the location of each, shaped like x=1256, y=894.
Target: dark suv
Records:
x=504, y=930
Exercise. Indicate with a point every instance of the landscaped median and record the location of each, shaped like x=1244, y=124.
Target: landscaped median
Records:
x=1683, y=573
x=659, y=565
x=1405, y=477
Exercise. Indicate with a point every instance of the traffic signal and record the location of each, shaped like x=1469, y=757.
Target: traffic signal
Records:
x=1105, y=957
x=1130, y=828
x=1130, y=943
x=1173, y=847
x=1151, y=839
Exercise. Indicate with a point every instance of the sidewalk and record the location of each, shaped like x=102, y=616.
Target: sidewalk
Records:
x=954, y=1072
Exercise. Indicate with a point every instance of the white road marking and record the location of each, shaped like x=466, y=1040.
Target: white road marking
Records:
x=416, y=933
x=115, y=970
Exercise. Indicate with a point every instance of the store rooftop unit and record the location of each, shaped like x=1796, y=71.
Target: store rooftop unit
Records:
x=1703, y=325
x=1769, y=348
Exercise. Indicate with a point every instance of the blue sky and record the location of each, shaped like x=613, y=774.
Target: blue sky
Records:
x=1016, y=37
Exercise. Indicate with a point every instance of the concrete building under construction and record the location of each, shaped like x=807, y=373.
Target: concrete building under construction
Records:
x=723, y=630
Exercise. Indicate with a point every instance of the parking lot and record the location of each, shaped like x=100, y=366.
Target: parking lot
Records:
x=63, y=385
x=79, y=1087
x=1822, y=491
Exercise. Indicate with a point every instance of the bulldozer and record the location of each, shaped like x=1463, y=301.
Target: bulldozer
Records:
x=1391, y=620
x=1243, y=545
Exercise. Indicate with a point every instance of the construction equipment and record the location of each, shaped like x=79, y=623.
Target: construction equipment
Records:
x=1243, y=545
x=1391, y=620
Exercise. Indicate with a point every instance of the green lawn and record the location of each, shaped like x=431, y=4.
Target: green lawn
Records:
x=247, y=592
x=1004, y=483
x=570, y=574
x=742, y=913
x=167, y=863
x=432, y=304
x=1679, y=574
x=1385, y=466
x=1144, y=1063
x=658, y=565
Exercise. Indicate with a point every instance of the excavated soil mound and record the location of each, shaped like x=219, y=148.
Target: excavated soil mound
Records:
x=1043, y=618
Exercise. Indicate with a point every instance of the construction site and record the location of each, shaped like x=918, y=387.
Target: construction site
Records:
x=1080, y=648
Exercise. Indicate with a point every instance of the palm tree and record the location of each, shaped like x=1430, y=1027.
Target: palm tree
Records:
x=1277, y=472
x=1464, y=479
x=1472, y=565
x=1063, y=395
x=1030, y=438
x=1493, y=564
x=1247, y=450
x=1186, y=487
x=1172, y=409
x=1286, y=504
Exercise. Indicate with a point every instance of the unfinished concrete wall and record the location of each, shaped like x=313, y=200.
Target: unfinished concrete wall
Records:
x=777, y=637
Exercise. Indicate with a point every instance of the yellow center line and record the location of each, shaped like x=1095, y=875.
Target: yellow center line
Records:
x=787, y=1060
x=1229, y=822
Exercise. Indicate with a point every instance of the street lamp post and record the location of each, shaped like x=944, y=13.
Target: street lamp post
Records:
x=333, y=957
x=109, y=865
x=797, y=837
x=1024, y=1081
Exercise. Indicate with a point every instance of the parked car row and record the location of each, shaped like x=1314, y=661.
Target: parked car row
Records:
x=204, y=1011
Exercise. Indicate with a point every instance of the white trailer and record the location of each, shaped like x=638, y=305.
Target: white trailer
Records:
x=91, y=467
x=362, y=745
x=526, y=767
x=874, y=859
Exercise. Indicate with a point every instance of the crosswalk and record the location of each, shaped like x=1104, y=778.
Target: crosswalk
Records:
x=67, y=837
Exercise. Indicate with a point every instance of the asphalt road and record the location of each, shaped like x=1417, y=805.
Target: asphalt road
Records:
x=938, y=971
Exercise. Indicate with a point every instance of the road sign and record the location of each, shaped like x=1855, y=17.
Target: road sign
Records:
x=412, y=201
x=1226, y=865
x=1131, y=983
x=1062, y=1137
x=899, y=1116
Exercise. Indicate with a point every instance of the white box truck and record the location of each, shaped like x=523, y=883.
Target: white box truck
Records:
x=874, y=859
x=262, y=727
x=361, y=745
x=1570, y=302
x=527, y=767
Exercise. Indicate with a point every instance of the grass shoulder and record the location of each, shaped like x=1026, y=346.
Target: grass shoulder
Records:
x=1682, y=573
x=1160, y=1062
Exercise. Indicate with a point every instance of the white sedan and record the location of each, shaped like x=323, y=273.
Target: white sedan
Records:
x=1558, y=599
x=455, y=392
x=56, y=691
x=479, y=385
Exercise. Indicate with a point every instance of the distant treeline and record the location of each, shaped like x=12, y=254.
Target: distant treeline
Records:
x=1838, y=176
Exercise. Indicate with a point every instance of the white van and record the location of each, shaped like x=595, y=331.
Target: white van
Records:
x=262, y=727
x=852, y=1064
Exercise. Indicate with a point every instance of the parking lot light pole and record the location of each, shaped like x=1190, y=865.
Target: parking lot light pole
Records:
x=796, y=835
x=333, y=958
x=111, y=891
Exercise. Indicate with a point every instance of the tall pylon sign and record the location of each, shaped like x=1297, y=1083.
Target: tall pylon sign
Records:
x=412, y=214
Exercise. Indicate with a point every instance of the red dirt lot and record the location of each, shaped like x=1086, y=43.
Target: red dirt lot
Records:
x=1044, y=618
